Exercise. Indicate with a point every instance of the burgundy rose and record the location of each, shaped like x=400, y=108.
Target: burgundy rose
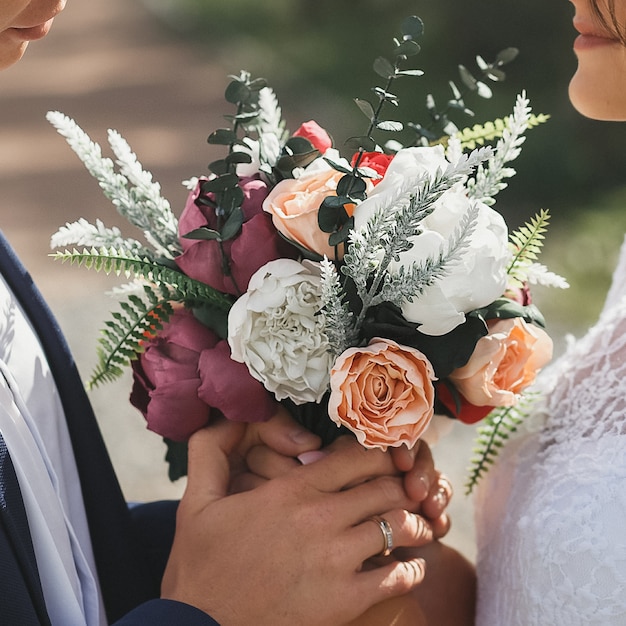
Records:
x=255, y=245
x=186, y=374
x=318, y=137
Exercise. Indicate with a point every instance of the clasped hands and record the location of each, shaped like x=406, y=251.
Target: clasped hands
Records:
x=263, y=538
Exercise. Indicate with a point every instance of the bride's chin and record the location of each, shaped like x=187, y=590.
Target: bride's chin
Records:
x=11, y=52
x=598, y=96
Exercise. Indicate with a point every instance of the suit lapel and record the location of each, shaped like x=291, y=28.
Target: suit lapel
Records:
x=122, y=573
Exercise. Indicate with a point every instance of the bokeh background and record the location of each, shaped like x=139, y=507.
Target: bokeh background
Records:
x=156, y=70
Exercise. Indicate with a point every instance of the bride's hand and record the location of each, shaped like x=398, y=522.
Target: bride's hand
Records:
x=290, y=551
x=269, y=449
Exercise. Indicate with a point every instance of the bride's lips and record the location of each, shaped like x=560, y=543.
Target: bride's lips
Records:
x=591, y=36
x=33, y=33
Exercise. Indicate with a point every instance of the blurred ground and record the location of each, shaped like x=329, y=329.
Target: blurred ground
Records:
x=110, y=64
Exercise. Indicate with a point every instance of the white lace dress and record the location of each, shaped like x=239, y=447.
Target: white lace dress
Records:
x=551, y=514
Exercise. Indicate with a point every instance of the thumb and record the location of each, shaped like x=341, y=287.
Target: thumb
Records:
x=208, y=470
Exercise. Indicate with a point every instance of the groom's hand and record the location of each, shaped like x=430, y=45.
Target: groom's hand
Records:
x=290, y=551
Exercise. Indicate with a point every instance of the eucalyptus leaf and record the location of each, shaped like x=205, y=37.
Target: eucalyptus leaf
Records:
x=337, y=166
x=299, y=145
x=219, y=167
x=349, y=185
x=468, y=79
x=232, y=225
x=238, y=157
x=203, y=234
x=257, y=84
x=483, y=90
x=237, y=92
x=222, y=137
x=231, y=199
x=506, y=56
x=384, y=68
x=366, y=108
x=407, y=48
x=410, y=73
x=365, y=143
x=412, y=27
x=220, y=183
x=390, y=126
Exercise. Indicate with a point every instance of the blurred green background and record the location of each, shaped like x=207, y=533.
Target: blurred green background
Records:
x=318, y=57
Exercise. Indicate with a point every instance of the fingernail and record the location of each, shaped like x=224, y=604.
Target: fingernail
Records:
x=301, y=435
x=306, y=458
x=425, y=484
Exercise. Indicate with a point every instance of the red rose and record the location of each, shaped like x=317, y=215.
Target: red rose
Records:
x=185, y=373
x=318, y=137
x=377, y=161
x=257, y=243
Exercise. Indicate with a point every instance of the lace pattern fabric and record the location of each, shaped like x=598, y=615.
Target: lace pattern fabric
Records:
x=551, y=513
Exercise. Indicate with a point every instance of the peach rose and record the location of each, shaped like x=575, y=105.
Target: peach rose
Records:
x=294, y=204
x=383, y=393
x=504, y=363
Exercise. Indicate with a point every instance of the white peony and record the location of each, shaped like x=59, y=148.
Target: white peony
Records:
x=277, y=330
x=479, y=278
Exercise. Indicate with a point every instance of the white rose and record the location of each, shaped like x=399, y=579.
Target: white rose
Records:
x=276, y=329
x=478, y=278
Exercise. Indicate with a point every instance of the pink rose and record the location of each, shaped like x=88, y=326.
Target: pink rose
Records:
x=294, y=205
x=376, y=161
x=185, y=373
x=504, y=363
x=383, y=393
x=257, y=243
x=318, y=137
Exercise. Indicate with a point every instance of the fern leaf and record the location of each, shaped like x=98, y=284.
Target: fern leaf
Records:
x=526, y=244
x=123, y=261
x=121, y=341
x=497, y=427
x=480, y=134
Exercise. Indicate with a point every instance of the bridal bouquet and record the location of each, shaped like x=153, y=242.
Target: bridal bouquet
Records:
x=366, y=289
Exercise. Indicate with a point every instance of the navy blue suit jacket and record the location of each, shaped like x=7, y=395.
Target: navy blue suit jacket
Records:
x=130, y=546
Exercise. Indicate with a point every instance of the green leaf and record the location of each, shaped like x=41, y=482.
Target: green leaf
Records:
x=390, y=126
x=219, y=167
x=412, y=27
x=237, y=92
x=222, y=137
x=506, y=56
x=410, y=73
x=299, y=145
x=232, y=225
x=220, y=183
x=366, y=108
x=468, y=79
x=407, y=48
x=384, y=68
x=350, y=185
x=203, y=234
x=367, y=144
x=238, y=157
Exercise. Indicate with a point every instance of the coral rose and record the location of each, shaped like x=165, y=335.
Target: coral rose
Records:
x=318, y=137
x=294, y=205
x=504, y=363
x=186, y=372
x=383, y=393
x=257, y=243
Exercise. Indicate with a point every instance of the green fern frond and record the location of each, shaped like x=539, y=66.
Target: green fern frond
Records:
x=480, y=134
x=124, y=262
x=493, y=433
x=526, y=244
x=124, y=336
